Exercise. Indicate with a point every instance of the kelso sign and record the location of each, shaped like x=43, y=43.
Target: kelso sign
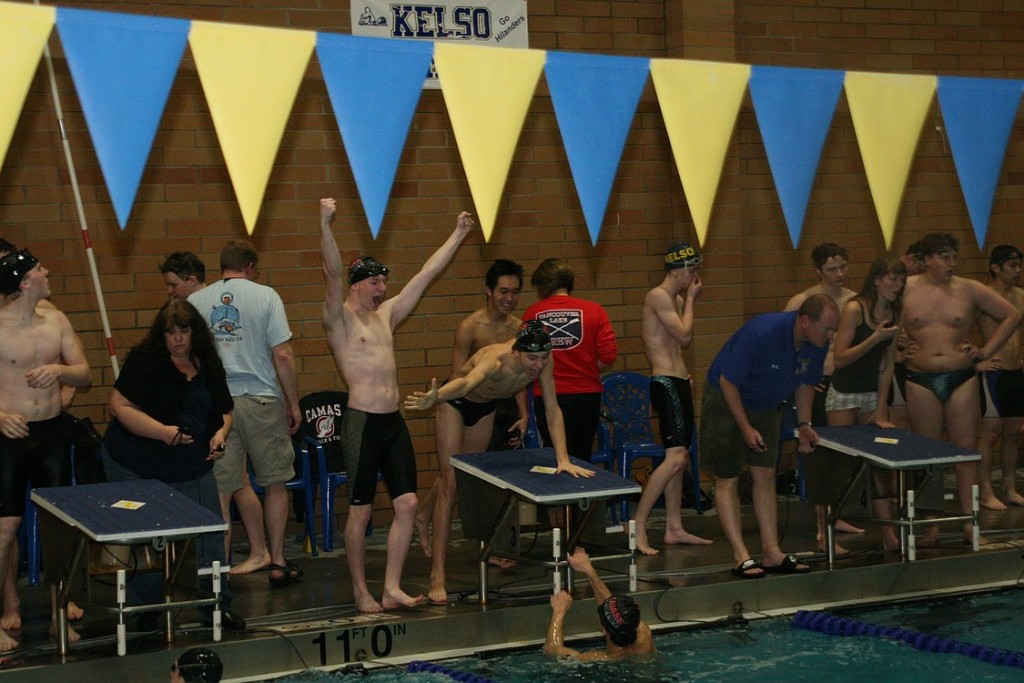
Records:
x=500, y=23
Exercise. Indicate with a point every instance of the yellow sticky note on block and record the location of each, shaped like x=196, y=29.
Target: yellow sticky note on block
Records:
x=128, y=504
x=540, y=469
x=886, y=439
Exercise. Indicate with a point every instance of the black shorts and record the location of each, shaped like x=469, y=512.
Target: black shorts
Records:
x=581, y=415
x=672, y=400
x=41, y=457
x=375, y=442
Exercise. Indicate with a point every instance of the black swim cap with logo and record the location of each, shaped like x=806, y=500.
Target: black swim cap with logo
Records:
x=13, y=269
x=364, y=267
x=532, y=338
x=1003, y=253
x=620, y=617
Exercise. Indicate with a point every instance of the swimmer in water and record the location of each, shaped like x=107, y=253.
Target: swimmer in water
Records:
x=625, y=632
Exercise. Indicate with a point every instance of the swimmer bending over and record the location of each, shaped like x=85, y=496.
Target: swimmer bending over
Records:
x=494, y=372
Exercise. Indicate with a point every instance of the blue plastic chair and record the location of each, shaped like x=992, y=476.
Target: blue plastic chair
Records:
x=328, y=482
x=626, y=399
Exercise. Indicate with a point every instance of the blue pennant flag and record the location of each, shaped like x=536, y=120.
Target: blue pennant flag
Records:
x=979, y=115
x=374, y=85
x=595, y=98
x=123, y=66
x=794, y=109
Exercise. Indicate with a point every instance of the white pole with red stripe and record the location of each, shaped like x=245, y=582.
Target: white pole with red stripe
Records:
x=109, y=339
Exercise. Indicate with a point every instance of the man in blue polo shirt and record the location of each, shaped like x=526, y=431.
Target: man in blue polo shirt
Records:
x=761, y=365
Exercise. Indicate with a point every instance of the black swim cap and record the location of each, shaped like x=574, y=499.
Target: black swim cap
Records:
x=682, y=255
x=364, y=267
x=13, y=268
x=1003, y=253
x=620, y=617
x=200, y=665
x=532, y=337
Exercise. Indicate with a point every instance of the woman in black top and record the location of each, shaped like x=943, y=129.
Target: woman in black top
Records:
x=171, y=413
x=864, y=355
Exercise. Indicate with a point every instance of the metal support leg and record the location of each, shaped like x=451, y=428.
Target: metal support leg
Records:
x=168, y=598
x=632, y=556
x=216, y=579
x=122, y=599
x=62, y=591
x=483, y=573
x=556, y=552
x=911, y=537
x=570, y=584
x=975, y=530
x=830, y=538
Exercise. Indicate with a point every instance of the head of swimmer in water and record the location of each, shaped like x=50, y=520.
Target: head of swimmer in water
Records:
x=620, y=617
x=368, y=282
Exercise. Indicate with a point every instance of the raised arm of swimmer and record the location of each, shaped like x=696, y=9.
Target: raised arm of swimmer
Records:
x=334, y=270
x=403, y=304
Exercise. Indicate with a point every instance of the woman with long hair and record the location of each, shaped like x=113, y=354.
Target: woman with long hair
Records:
x=864, y=355
x=171, y=414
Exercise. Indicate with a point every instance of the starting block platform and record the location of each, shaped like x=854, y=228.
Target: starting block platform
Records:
x=491, y=485
x=838, y=473
x=122, y=513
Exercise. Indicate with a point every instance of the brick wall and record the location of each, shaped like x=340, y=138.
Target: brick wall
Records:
x=186, y=201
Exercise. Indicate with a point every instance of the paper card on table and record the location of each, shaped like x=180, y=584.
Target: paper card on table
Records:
x=128, y=504
x=540, y=469
x=886, y=439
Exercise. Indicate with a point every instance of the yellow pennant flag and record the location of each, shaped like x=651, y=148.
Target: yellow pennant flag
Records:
x=250, y=76
x=699, y=102
x=24, y=30
x=488, y=92
x=888, y=111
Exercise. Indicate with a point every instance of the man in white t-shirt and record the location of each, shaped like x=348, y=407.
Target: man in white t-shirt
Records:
x=251, y=331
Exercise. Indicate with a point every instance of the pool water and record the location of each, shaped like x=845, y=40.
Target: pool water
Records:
x=771, y=650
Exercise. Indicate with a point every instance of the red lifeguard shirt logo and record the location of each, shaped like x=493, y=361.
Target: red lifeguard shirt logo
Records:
x=565, y=325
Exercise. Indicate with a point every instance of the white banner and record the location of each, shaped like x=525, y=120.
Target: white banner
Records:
x=499, y=23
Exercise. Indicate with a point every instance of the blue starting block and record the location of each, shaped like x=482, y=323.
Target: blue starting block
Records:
x=491, y=485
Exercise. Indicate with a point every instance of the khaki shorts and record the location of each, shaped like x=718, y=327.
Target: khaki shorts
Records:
x=259, y=430
x=722, y=448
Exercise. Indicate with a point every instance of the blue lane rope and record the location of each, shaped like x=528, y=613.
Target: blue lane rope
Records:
x=417, y=666
x=836, y=626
